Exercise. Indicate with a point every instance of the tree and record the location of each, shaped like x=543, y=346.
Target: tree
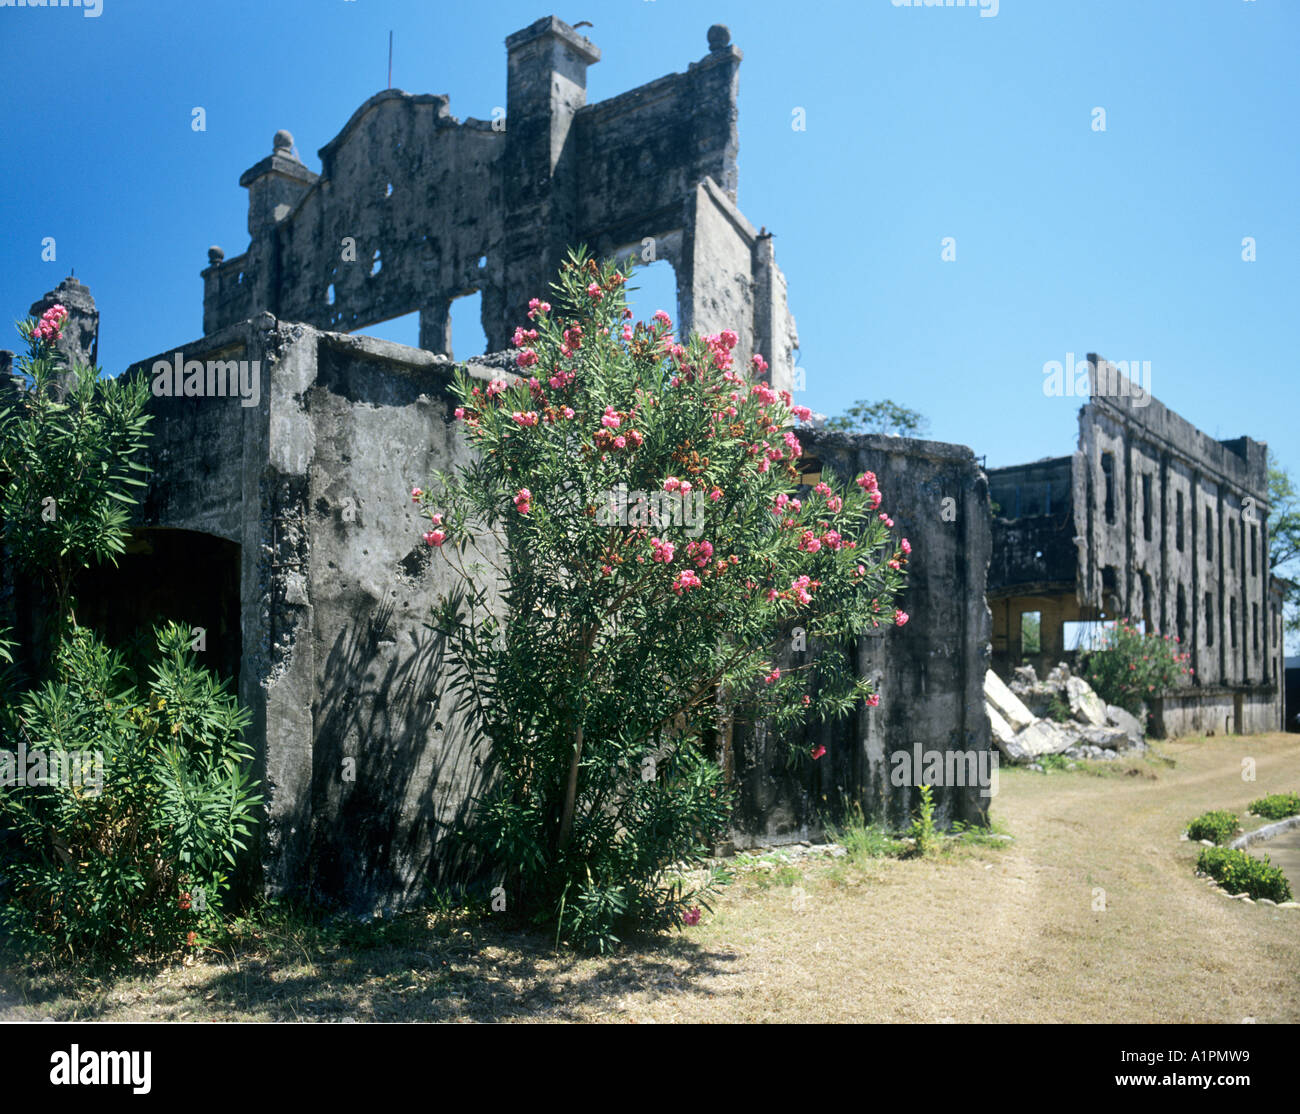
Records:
x=885, y=416
x=1284, y=539
x=656, y=551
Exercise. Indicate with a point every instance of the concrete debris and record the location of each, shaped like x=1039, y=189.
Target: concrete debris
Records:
x=1025, y=723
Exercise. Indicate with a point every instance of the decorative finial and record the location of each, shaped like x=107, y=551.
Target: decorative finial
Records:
x=719, y=36
x=215, y=255
x=283, y=141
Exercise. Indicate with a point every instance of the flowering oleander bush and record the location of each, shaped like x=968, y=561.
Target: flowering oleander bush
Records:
x=123, y=799
x=657, y=549
x=1133, y=666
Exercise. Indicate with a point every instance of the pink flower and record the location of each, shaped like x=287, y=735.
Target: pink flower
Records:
x=905, y=546
x=459, y=412
x=525, y=419
x=50, y=326
x=809, y=543
x=672, y=483
x=523, y=500
x=496, y=387
x=867, y=481
x=685, y=581
x=772, y=677
x=663, y=551
x=435, y=537
x=873, y=700
x=522, y=336
x=715, y=495
x=700, y=552
x=807, y=700
x=536, y=306
x=415, y=494
x=760, y=364
x=611, y=420
x=526, y=358
x=436, y=519
x=692, y=915
x=803, y=413
x=594, y=292
x=818, y=750
x=900, y=617
x=662, y=317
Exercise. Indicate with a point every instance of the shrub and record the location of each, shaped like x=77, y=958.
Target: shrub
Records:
x=124, y=797
x=1238, y=872
x=1277, y=806
x=657, y=550
x=1218, y=826
x=128, y=854
x=1133, y=666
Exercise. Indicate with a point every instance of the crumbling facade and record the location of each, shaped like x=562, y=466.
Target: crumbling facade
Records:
x=1152, y=520
x=413, y=209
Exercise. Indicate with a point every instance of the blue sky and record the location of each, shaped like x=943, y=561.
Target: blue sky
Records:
x=922, y=123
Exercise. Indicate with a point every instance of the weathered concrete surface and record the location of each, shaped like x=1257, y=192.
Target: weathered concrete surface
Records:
x=413, y=208
x=929, y=673
x=366, y=773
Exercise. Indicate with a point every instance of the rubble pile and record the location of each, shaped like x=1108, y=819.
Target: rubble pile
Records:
x=1058, y=715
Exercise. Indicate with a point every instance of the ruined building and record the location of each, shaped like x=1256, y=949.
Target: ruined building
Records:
x=1152, y=520
x=278, y=514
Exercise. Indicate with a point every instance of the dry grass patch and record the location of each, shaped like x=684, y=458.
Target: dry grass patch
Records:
x=1091, y=913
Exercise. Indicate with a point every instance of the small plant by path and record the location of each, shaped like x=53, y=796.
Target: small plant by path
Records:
x=1238, y=873
x=1277, y=806
x=1218, y=826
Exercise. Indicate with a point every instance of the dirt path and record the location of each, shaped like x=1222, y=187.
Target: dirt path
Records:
x=1093, y=913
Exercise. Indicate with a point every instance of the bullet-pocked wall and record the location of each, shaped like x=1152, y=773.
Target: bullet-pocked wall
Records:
x=929, y=673
x=365, y=772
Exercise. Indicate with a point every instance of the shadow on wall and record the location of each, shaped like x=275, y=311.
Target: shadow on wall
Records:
x=391, y=792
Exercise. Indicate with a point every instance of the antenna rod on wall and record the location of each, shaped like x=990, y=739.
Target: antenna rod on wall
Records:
x=390, y=59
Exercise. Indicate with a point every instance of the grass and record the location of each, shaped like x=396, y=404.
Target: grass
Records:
x=868, y=937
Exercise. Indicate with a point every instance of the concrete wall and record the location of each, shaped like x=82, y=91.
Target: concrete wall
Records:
x=929, y=673
x=365, y=770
